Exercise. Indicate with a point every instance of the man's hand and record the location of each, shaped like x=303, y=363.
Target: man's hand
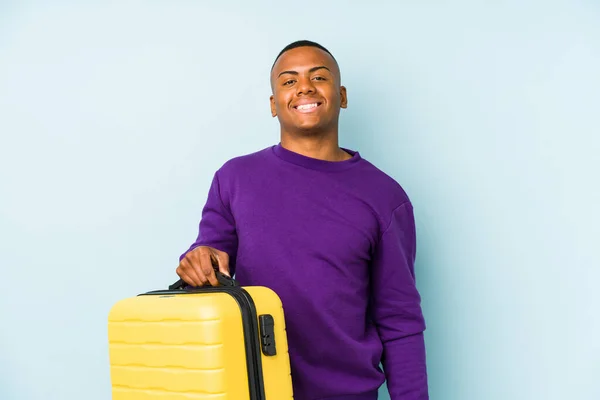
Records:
x=196, y=268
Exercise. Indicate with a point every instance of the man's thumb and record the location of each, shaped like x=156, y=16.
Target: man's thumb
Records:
x=223, y=264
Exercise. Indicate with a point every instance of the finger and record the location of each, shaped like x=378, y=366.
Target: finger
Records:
x=223, y=261
x=186, y=278
x=208, y=270
x=199, y=267
x=187, y=268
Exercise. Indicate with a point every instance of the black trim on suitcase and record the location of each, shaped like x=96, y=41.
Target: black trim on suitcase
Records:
x=252, y=341
x=223, y=280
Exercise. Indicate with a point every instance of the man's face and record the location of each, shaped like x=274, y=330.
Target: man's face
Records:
x=307, y=95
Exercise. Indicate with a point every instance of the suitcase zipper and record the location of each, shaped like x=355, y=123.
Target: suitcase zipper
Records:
x=251, y=332
x=253, y=347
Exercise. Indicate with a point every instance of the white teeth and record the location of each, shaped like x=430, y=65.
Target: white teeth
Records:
x=306, y=106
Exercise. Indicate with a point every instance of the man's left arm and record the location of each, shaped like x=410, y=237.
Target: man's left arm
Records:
x=396, y=308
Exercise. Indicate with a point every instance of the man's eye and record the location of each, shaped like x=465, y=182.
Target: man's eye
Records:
x=320, y=78
x=289, y=82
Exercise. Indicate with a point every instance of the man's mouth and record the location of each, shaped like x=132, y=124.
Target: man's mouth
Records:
x=307, y=108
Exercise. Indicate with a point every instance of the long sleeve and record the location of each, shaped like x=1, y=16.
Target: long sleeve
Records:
x=396, y=308
x=217, y=225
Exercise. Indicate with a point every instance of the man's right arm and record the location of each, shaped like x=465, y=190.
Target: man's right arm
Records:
x=216, y=242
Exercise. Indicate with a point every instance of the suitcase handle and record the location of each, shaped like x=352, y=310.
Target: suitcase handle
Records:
x=223, y=279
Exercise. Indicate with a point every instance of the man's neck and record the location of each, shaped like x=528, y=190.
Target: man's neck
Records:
x=319, y=147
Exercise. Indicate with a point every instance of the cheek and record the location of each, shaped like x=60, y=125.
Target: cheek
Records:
x=331, y=95
x=281, y=102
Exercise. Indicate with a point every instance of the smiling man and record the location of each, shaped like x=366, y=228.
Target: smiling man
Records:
x=330, y=233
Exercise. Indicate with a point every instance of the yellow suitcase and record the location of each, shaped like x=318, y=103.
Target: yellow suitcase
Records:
x=220, y=343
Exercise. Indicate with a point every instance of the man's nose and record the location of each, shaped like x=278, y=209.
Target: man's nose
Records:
x=305, y=86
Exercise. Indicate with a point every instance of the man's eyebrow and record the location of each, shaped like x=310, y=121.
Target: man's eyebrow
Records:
x=313, y=69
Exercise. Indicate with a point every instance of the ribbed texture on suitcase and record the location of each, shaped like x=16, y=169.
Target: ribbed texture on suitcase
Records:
x=157, y=360
x=179, y=357
x=191, y=346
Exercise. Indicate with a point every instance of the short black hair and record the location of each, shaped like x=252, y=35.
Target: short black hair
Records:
x=301, y=43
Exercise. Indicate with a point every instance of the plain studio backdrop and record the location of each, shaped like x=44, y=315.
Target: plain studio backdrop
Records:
x=115, y=115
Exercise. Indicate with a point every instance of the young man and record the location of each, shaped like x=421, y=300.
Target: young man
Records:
x=330, y=233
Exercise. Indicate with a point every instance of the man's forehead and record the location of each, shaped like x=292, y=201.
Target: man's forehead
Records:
x=304, y=58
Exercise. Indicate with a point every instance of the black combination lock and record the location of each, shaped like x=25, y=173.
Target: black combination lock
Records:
x=267, y=334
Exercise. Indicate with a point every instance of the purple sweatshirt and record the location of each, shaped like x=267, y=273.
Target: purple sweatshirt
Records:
x=336, y=241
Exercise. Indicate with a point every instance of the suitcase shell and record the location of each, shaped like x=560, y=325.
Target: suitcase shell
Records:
x=217, y=343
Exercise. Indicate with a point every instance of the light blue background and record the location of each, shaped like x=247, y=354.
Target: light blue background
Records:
x=114, y=117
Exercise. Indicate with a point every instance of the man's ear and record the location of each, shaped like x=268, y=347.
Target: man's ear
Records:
x=344, y=97
x=273, y=110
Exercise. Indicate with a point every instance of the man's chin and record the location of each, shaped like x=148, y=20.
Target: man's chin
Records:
x=308, y=130
x=308, y=126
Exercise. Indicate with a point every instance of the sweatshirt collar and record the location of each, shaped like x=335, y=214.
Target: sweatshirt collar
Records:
x=314, y=163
